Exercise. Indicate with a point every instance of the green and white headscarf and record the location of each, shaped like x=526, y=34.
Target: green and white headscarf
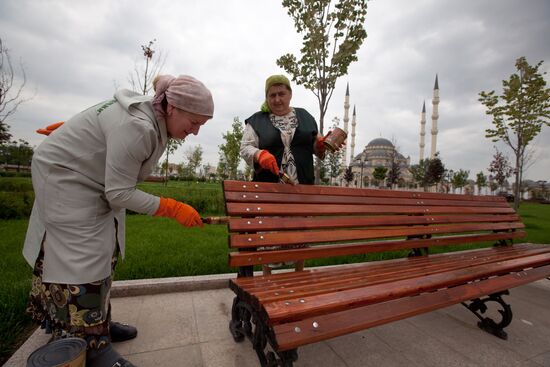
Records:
x=271, y=81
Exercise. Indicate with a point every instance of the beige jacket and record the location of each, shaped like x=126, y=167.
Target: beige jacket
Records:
x=84, y=177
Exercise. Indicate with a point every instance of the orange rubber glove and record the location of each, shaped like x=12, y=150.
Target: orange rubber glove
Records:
x=183, y=213
x=267, y=161
x=50, y=128
x=319, y=146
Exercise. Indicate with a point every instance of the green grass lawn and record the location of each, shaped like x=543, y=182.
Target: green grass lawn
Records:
x=160, y=247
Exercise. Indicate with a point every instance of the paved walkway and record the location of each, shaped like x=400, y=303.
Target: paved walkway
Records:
x=191, y=329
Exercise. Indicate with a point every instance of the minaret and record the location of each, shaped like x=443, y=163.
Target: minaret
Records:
x=353, y=123
x=422, y=130
x=435, y=116
x=346, y=120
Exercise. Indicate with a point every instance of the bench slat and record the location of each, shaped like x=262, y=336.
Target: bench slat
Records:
x=251, y=197
x=259, y=187
x=294, y=309
x=245, y=258
x=266, y=209
x=267, y=224
x=307, y=237
x=348, y=321
x=386, y=271
x=359, y=280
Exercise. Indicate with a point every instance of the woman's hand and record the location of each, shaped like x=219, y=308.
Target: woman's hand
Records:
x=267, y=161
x=185, y=214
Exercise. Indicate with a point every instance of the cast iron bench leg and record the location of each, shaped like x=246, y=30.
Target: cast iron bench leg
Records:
x=478, y=307
x=246, y=322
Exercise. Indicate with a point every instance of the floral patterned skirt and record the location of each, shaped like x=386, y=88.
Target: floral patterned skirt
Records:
x=77, y=310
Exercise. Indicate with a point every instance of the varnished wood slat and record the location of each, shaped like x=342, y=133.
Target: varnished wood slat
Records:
x=286, y=198
x=263, y=209
x=295, y=309
x=272, y=224
x=288, y=278
x=331, y=283
x=318, y=252
x=335, y=235
x=258, y=187
x=349, y=321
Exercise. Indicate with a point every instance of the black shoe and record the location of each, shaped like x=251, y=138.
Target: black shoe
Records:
x=106, y=357
x=121, y=332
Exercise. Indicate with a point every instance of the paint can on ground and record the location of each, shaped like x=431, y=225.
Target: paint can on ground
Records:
x=67, y=352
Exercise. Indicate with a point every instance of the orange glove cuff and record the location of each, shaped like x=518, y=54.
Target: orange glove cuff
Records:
x=267, y=161
x=50, y=128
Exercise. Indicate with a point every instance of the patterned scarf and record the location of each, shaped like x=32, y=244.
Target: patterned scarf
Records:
x=287, y=124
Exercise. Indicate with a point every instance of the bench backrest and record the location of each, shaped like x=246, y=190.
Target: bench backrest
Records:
x=338, y=221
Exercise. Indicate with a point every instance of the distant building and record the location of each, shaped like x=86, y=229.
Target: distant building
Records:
x=379, y=152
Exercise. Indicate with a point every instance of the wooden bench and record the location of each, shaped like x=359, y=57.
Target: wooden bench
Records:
x=284, y=311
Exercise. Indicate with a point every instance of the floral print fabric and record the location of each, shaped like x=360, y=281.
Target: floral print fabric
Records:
x=77, y=310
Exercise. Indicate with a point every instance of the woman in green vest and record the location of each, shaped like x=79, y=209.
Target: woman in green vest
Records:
x=281, y=138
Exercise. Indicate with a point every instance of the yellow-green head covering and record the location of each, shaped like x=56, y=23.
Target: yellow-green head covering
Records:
x=271, y=81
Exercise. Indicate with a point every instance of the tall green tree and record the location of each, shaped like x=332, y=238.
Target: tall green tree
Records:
x=519, y=113
x=481, y=181
x=428, y=172
x=194, y=159
x=332, y=32
x=348, y=175
x=379, y=174
x=500, y=168
x=460, y=179
x=230, y=150
x=334, y=164
x=171, y=147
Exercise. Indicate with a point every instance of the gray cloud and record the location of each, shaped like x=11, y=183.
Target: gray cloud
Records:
x=75, y=52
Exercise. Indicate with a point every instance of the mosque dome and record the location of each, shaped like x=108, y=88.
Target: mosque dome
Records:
x=380, y=142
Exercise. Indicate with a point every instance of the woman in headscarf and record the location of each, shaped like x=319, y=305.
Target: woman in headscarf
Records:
x=84, y=177
x=281, y=138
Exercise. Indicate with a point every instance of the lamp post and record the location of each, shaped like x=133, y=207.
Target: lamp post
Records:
x=362, y=164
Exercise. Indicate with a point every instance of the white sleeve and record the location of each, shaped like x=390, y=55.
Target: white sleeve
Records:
x=128, y=146
x=249, y=145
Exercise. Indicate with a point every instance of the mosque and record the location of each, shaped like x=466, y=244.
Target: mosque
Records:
x=381, y=152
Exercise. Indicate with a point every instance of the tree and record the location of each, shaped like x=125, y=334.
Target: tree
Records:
x=500, y=168
x=334, y=164
x=519, y=113
x=428, y=172
x=460, y=179
x=332, y=34
x=11, y=92
x=16, y=153
x=379, y=174
x=230, y=150
x=394, y=173
x=348, y=175
x=194, y=159
x=481, y=182
x=141, y=79
x=171, y=147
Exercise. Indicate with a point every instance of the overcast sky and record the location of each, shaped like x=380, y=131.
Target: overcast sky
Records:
x=75, y=53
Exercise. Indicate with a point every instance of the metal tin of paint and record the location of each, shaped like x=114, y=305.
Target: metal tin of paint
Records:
x=335, y=139
x=67, y=352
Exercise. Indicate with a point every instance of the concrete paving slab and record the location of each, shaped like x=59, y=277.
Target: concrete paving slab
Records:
x=191, y=329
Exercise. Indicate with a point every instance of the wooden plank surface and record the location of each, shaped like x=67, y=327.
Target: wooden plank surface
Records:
x=294, y=223
x=298, y=308
x=315, y=329
x=323, y=236
x=266, y=187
